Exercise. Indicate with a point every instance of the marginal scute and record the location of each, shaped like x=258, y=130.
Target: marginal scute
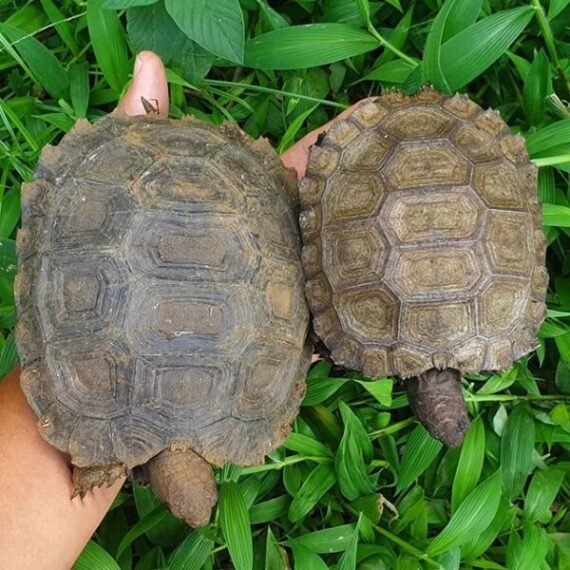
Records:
x=508, y=239
x=500, y=305
x=368, y=313
x=474, y=143
x=369, y=114
x=442, y=266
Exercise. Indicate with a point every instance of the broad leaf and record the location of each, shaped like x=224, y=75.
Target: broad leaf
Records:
x=216, y=26
x=299, y=47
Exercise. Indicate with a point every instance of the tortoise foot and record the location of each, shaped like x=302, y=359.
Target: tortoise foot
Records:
x=185, y=482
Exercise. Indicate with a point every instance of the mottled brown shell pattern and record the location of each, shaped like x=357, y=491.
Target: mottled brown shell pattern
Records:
x=423, y=241
x=160, y=293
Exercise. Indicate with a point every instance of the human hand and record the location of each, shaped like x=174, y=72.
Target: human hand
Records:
x=41, y=526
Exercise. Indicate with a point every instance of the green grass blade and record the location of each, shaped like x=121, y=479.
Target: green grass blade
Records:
x=44, y=66
x=305, y=559
x=121, y=4
x=517, y=447
x=470, y=52
x=557, y=216
x=299, y=47
x=61, y=25
x=8, y=355
x=470, y=463
x=528, y=552
x=93, y=556
x=327, y=541
x=542, y=491
x=419, y=453
x=217, y=26
x=352, y=456
x=381, y=390
x=471, y=518
x=319, y=481
x=108, y=40
x=79, y=88
x=274, y=558
x=235, y=524
x=193, y=552
x=306, y=445
x=142, y=527
x=536, y=88
x=551, y=140
x=461, y=16
x=348, y=559
x=432, y=67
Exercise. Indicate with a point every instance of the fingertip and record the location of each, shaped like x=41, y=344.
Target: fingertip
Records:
x=149, y=82
x=297, y=156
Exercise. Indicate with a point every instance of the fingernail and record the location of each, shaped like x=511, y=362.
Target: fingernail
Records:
x=138, y=65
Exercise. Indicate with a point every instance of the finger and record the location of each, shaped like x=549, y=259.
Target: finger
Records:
x=298, y=155
x=149, y=81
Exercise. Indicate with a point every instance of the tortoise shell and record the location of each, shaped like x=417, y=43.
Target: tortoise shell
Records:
x=160, y=293
x=423, y=241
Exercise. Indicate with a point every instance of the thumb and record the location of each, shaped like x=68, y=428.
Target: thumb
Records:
x=149, y=82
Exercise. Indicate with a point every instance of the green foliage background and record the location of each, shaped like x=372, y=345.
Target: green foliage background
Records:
x=358, y=484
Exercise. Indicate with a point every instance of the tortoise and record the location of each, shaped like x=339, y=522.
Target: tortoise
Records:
x=423, y=247
x=162, y=317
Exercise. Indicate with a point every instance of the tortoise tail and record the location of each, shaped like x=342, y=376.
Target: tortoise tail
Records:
x=436, y=399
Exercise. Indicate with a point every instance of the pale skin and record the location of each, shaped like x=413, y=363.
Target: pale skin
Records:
x=41, y=526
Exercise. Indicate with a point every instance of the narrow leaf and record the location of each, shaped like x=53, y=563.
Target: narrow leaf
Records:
x=517, y=446
x=299, y=47
x=536, y=88
x=319, y=481
x=93, y=556
x=108, y=40
x=193, y=552
x=541, y=493
x=274, y=559
x=45, y=68
x=419, y=453
x=470, y=52
x=471, y=518
x=470, y=463
x=79, y=88
x=234, y=520
x=327, y=541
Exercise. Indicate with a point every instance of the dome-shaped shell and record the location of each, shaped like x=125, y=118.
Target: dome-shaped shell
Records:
x=423, y=241
x=160, y=293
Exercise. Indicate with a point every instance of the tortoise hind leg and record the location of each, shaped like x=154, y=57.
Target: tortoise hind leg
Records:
x=185, y=482
x=436, y=399
x=85, y=478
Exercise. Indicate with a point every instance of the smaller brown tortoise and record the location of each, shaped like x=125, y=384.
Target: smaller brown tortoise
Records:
x=423, y=247
x=162, y=320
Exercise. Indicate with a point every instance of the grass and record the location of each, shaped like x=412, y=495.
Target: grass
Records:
x=358, y=484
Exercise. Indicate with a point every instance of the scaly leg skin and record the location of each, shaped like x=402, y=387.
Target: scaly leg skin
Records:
x=85, y=478
x=185, y=482
x=436, y=399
